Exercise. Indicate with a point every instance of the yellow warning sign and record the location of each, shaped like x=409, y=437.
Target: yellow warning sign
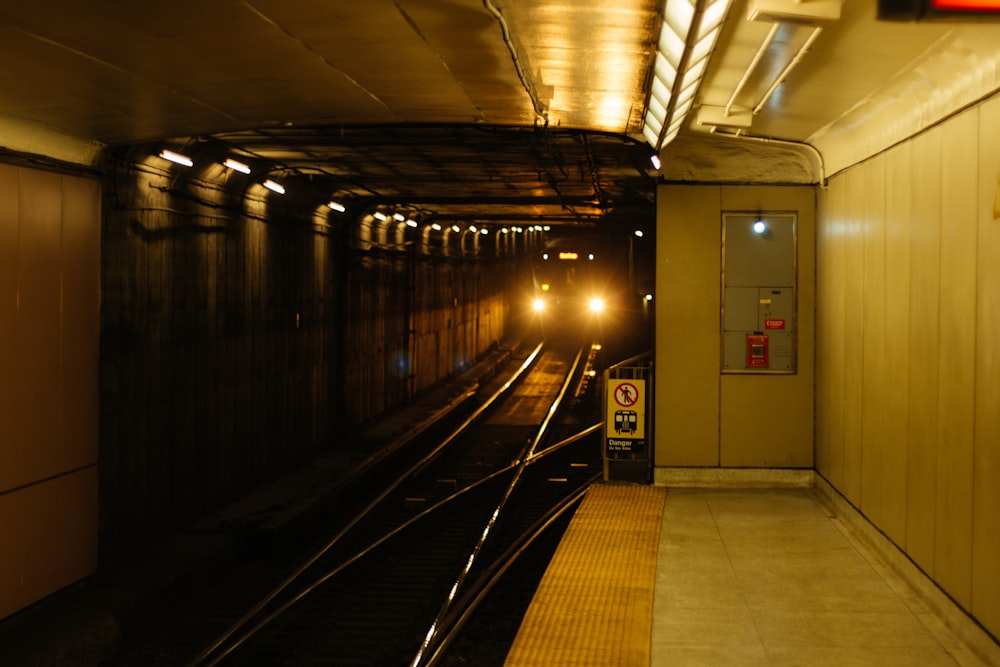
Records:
x=626, y=409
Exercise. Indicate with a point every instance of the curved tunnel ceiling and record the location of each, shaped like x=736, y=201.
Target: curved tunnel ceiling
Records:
x=481, y=109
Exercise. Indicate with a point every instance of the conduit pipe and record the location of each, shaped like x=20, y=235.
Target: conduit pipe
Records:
x=761, y=50
x=788, y=68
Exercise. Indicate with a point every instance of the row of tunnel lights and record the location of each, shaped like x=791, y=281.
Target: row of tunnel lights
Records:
x=236, y=165
x=243, y=168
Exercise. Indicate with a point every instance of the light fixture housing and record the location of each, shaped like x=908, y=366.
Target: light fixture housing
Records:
x=236, y=165
x=688, y=36
x=176, y=158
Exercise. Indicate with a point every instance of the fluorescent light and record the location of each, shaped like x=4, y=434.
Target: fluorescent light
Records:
x=236, y=165
x=436, y=227
x=638, y=233
x=398, y=217
x=688, y=36
x=472, y=228
x=382, y=217
x=176, y=158
x=337, y=206
x=274, y=187
x=456, y=228
x=411, y=223
x=654, y=159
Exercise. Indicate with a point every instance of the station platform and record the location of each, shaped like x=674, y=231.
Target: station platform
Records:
x=739, y=568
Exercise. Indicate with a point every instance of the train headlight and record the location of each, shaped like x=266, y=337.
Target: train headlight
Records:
x=538, y=305
x=596, y=304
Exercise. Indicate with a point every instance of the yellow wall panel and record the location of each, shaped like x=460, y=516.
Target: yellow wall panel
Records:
x=853, y=238
x=49, y=533
x=896, y=348
x=688, y=238
x=956, y=357
x=875, y=385
x=767, y=421
x=80, y=326
x=912, y=236
x=986, y=460
x=695, y=404
x=49, y=348
x=9, y=424
x=38, y=323
x=830, y=332
x=925, y=285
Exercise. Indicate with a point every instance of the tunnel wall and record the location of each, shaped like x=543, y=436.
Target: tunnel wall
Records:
x=908, y=388
x=242, y=336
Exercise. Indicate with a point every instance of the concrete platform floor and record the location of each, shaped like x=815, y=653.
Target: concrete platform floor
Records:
x=762, y=575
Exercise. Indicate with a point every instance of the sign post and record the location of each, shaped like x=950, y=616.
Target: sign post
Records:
x=626, y=450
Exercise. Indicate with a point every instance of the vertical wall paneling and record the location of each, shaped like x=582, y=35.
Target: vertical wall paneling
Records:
x=830, y=332
x=986, y=458
x=705, y=418
x=930, y=386
x=49, y=305
x=957, y=341
x=9, y=206
x=896, y=347
x=767, y=420
x=875, y=385
x=38, y=324
x=853, y=340
x=687, y=344
x=925, y=288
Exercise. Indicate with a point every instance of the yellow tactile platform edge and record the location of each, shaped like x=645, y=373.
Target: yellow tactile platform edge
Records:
x=594, y=605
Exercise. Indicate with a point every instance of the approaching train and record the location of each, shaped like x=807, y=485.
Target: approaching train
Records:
x=580, y=280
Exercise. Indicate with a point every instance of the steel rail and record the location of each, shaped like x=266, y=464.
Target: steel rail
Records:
x=217, y=646
x=487, y=530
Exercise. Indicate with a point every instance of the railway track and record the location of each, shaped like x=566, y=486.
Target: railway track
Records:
x=411, y=570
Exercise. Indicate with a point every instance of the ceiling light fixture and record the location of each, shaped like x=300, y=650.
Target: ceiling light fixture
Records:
x=410, y=222
x=687, y=38
x=337, y=206
x=381, y=217
x=274, y=187
x=176, y=158
x=436, y=227
x=236, y=165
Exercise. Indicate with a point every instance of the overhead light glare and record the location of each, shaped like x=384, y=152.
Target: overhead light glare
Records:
x=398, y=217
x=337, y=206
x=411, y=222
x=436, y=227
x=380, y=216
x=638, y=233
x=456, y=228
x=654, y=159
x=236, y=165
x=473, y=229
x=681, y=47
x=176, y=158
x=274, y=187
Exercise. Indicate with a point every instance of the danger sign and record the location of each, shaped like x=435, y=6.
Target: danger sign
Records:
x=625, y=411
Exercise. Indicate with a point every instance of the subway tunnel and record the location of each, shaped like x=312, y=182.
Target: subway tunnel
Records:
x=233, y=233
